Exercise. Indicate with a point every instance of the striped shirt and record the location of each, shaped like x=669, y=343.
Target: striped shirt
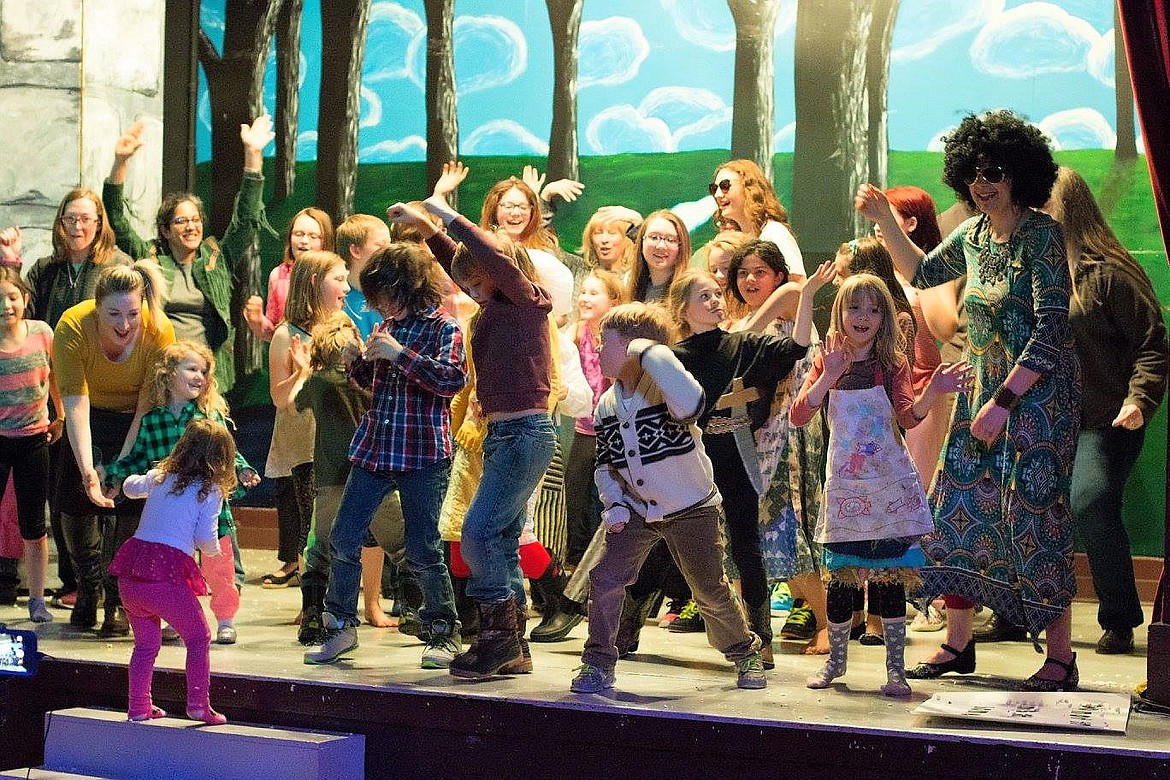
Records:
x=408, y=425
x=24, y=383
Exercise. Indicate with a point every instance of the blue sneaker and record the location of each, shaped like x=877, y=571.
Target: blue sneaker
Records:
x=781, y=599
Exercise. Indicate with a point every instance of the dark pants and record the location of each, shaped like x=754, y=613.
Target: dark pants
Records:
x=294, y=512
x=1103, y=462
x=582, y=502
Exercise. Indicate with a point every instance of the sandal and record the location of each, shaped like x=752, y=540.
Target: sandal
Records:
x=275, y=581
x=155, y=712
x=800, y=625
x=1072, y=678
x=963, y=663
x=871, y=640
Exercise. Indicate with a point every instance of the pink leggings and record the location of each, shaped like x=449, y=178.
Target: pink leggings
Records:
x=220, y=573
x=148, y=602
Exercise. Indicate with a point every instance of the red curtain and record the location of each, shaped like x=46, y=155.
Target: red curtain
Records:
x=1145, y=25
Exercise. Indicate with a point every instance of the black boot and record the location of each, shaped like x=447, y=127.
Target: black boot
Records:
x=634, y=615
x=556, y=621
x=84, y=542
x=409, y=622
x=312, y=631
x=115, y=622
x=84, y=614
x=498, y=645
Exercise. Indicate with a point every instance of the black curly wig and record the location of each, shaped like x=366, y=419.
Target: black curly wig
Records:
x=1000, y=138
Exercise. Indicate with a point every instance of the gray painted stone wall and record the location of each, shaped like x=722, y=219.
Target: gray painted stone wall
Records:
x=72, y=75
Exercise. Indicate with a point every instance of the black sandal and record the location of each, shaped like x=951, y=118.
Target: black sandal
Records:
x=1072, y=678
x=275, y=581
x=962, y=663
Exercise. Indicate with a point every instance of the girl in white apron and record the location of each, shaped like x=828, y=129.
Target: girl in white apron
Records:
x=874, y=508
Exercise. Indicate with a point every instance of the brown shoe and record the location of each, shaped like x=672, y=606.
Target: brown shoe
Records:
x=1115, y=641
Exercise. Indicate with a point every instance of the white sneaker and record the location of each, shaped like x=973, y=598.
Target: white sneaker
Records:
x=930, y=620
x=339, y=640
x=440, y=650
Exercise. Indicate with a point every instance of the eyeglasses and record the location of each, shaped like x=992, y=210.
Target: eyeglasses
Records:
x=299, y=234
x=657, y=239
x=522, y=208
x=992, y=174
x=722, y=186
x=181, y=222
x=84, y=220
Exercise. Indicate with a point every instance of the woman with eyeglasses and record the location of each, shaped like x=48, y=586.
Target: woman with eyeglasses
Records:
x=83, y=244
x=746, y=199
x=663, y=248
x=1001, y=501
x=198, y=271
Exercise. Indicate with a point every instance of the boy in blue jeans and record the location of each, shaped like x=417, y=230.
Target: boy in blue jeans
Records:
x=414, y=362
x=656, y=482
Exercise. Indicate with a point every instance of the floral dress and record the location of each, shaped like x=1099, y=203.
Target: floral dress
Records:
x=1003, y=533
x=791, y=464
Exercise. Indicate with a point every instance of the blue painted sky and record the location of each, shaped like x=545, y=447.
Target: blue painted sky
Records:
x=657, y=75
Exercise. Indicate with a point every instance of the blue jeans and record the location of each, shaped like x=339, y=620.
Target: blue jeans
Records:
x=516, y=453
x=1103, y=462
x=422, y=494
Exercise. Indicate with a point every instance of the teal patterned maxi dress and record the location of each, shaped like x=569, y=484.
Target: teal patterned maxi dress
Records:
x=1003, y=535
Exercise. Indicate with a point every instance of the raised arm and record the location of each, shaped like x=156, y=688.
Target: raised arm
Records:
x=802, y=329
x=873, y=204
x=125, y=147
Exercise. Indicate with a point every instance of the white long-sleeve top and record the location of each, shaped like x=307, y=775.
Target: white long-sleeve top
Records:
x=180, y=521
x=650, y=457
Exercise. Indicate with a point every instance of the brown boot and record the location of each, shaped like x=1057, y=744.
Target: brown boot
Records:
x=498, y=645
x=524, y=665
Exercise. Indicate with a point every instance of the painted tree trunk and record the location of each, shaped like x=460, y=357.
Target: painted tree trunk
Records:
x=288, y=107
x=343, y=46
x=564, y=18
x=753, y=105
x=442, y=106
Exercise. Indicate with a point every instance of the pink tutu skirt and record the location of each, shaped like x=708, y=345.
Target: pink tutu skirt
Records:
x=154, y=562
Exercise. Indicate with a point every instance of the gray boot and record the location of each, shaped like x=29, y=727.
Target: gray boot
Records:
x=838, y=655
x=895, y=633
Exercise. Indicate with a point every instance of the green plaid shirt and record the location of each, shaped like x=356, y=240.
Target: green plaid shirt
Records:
x=157, y=435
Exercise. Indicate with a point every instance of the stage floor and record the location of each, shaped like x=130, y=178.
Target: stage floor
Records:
x=673, y=676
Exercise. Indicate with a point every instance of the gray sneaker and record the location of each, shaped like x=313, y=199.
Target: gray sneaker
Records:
x=591, y=679
x=442, y=646
x=339, y=640
x=750, y=671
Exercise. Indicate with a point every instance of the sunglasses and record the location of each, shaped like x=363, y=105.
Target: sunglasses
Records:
x=992, y=174
x=722, y=186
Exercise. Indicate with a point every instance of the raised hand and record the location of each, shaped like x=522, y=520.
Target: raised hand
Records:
x=405, y=214
x=824, y=274
x=453, y=174
x=836, y=355
x=129, y=141
x=872, y=203
x=565, y=189
x=619, y=214
x=258, y=134
x=10, y=246
x=533, y=178
x=952, y=377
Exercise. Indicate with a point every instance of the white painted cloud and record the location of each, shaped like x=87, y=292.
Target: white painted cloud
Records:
x=412, y=148
x=702, y=23
x=307, y=145
x=1031, y=39
x=393, y=31
x=785, y=139
x=1079, y=128
x=503, y=136
x=611, y=51
x=925, y=25
x=373, y=105
x=694, y=213
x=1099, y=63
x=939, y=141
x=490, y=51
x=665, y=117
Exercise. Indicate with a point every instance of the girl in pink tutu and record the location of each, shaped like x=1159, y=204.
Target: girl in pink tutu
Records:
x=157, y=574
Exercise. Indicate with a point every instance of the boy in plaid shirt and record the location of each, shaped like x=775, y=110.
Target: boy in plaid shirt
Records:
x=414, y=362
x=184, y=389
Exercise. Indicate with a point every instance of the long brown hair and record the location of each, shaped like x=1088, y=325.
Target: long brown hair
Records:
x=760, y=201
x=303, y=307
x=535, y=235
x=103, y=247
x=205, y=455
x=639, y=281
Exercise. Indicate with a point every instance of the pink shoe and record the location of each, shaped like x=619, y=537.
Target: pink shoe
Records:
x=155, y=712
x=207, y=715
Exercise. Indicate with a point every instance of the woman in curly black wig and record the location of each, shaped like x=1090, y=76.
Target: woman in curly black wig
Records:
x=1001, y=498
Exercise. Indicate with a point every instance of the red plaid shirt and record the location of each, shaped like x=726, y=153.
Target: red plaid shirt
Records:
x=408, y=425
